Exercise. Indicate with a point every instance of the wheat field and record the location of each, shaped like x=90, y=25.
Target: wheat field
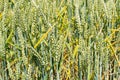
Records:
x=59, y=39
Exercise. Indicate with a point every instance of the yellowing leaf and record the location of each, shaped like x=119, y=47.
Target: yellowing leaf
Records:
x=9, y=37
x=92, y=75
x=62, y=11
x=119, y=64
x=75, y=51
x=0, y=15
x=43, y=37
x=68, y=74
x=113, y=51
x=13, y=1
